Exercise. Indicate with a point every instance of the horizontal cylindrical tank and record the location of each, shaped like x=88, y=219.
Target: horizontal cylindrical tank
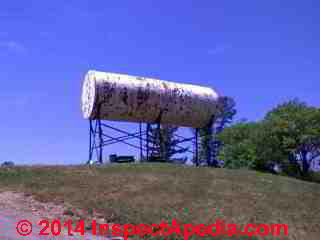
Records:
x=121, y=97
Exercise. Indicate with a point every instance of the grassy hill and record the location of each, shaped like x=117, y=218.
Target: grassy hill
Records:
x=148, y=193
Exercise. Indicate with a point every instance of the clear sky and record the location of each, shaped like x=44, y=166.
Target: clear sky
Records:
x=259, y=52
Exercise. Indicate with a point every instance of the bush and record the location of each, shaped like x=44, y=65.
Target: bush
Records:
x=7, y=164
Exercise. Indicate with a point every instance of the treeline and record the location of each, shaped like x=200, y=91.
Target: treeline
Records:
x=286, y=140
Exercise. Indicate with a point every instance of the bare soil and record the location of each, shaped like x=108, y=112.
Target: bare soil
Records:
x=24, y=206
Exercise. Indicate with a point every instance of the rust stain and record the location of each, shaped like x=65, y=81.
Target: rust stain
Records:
x=165, y=85
x=127, y=98
x=124, y=96
x=142, y=96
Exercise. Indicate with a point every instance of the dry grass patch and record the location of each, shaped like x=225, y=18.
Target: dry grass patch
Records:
x=147, y=193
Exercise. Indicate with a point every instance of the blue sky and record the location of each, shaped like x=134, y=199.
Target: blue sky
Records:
x=259, y=52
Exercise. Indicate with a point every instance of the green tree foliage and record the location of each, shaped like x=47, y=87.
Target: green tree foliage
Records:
x=226, y=112
x=296, y=127
x=239, y=149
x=289, y=135
x=165, y=143
x=209, y=143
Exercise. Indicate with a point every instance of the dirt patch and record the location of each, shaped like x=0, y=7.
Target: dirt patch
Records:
x=25, y=202
x=25, y=206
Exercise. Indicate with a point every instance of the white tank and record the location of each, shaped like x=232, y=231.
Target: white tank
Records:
x=120, y=97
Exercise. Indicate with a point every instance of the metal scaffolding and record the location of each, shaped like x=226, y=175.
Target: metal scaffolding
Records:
x=99, y=137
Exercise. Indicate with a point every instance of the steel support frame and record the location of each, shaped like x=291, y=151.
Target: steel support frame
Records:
x=98, y=139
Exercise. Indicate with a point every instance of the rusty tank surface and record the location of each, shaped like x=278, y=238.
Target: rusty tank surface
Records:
x=121, y=97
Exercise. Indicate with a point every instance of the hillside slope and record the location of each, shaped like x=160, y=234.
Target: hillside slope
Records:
x=146, y=193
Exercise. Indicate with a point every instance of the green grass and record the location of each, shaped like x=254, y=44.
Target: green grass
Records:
x=148, y=193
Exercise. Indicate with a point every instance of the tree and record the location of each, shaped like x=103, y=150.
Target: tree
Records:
x=289, y=136
x=165, y=143
x=209, y=143
x=239, y=147
x=226, y=113
x=7, y=164
x=250, y=145
x=296, y=126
